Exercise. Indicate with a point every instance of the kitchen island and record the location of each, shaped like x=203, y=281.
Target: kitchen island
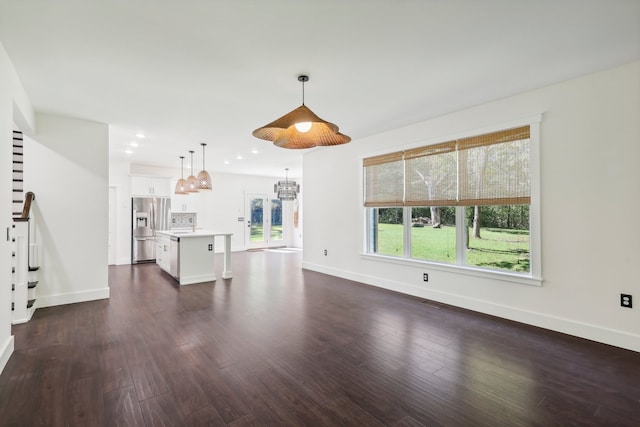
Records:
x=189, y=256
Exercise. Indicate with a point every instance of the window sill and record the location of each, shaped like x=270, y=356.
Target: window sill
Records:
x=457, y=269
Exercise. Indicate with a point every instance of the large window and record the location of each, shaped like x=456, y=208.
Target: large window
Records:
x=464, y=202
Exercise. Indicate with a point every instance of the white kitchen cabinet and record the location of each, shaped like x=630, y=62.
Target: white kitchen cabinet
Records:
x=192, y=256
x=150, y=186
x=185, y=202
x=163, y=254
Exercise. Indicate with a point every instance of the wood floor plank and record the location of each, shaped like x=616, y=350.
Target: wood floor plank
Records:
x=188, y=396
x=207, y=416
x=224, y=396
x=148, y=380
x=122, y=408
x=161, y=411
x=263, y=404
x=282, y=346
x=84, y=404
x=409, y=422
x=113, y=366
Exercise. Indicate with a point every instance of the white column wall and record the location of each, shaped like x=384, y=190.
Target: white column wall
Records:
x=67, y=169
x=119, y=177
x=590, y=195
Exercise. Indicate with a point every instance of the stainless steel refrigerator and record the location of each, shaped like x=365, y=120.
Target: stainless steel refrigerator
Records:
x=148, y=214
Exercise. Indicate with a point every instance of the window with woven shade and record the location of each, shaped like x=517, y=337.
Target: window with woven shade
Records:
x=422, y=203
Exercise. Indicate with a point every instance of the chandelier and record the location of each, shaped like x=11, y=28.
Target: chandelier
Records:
x=286, y=190
x=301, y=128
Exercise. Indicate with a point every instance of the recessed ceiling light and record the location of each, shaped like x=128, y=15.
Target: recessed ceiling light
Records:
x=239, y=157
x=133, y=144
x=254, y=151
x=140, y=135
x=128, y=151
x=226, y=162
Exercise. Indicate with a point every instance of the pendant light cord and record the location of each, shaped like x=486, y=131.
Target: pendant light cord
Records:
x=302, y=79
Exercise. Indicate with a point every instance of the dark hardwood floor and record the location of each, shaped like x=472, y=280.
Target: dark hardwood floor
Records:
x=277, y=345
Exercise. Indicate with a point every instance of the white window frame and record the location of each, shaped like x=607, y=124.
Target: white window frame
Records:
x=533, y=277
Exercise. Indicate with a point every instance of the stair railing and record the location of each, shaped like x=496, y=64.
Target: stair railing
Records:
x=26, y=209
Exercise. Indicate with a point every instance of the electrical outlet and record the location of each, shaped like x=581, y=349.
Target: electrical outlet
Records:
x=626, y=300
x=425, y=277
x=210, y=247
x=325, y=252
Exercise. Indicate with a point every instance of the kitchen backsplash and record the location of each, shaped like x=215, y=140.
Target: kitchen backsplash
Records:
x=183, y=220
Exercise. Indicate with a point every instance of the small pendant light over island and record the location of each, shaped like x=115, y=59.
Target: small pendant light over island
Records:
x=204, y=180
x=181, y=185
x=192, y=181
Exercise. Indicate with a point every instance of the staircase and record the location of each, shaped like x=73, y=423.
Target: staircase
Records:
x=24, y=250
x=24, y=268
x=18, y=173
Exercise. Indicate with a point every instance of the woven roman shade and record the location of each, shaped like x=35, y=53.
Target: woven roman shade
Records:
x=488, y=169
x=384, y=180
x=430, y=175
x=493, y=169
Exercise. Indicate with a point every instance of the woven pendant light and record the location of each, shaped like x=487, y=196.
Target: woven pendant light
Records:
x=181, y=185
x=192, y=181
x=204, y=180
x=301, y=128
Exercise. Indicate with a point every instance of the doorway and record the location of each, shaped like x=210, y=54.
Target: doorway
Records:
x=264, y=222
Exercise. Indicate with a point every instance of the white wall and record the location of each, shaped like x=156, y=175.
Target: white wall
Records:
x=294, y=236
x=66, y=167
x=120, y=179
x=14, y=107
x=590, y=197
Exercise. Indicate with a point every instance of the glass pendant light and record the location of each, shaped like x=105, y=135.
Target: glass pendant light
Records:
x=204, y=180
x=181, y=185
x=192, y=181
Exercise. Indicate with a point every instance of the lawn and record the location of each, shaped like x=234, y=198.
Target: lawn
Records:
x=257, y=233
x=497, y=249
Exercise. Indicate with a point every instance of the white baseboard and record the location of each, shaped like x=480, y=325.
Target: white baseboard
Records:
x=198, y=278
x=566, y=326
x=5, y=352
x=70, y=298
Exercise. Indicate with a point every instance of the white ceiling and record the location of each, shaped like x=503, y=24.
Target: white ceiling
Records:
x=185, y=71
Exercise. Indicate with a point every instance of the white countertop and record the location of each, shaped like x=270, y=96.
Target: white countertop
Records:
x=191, y=233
